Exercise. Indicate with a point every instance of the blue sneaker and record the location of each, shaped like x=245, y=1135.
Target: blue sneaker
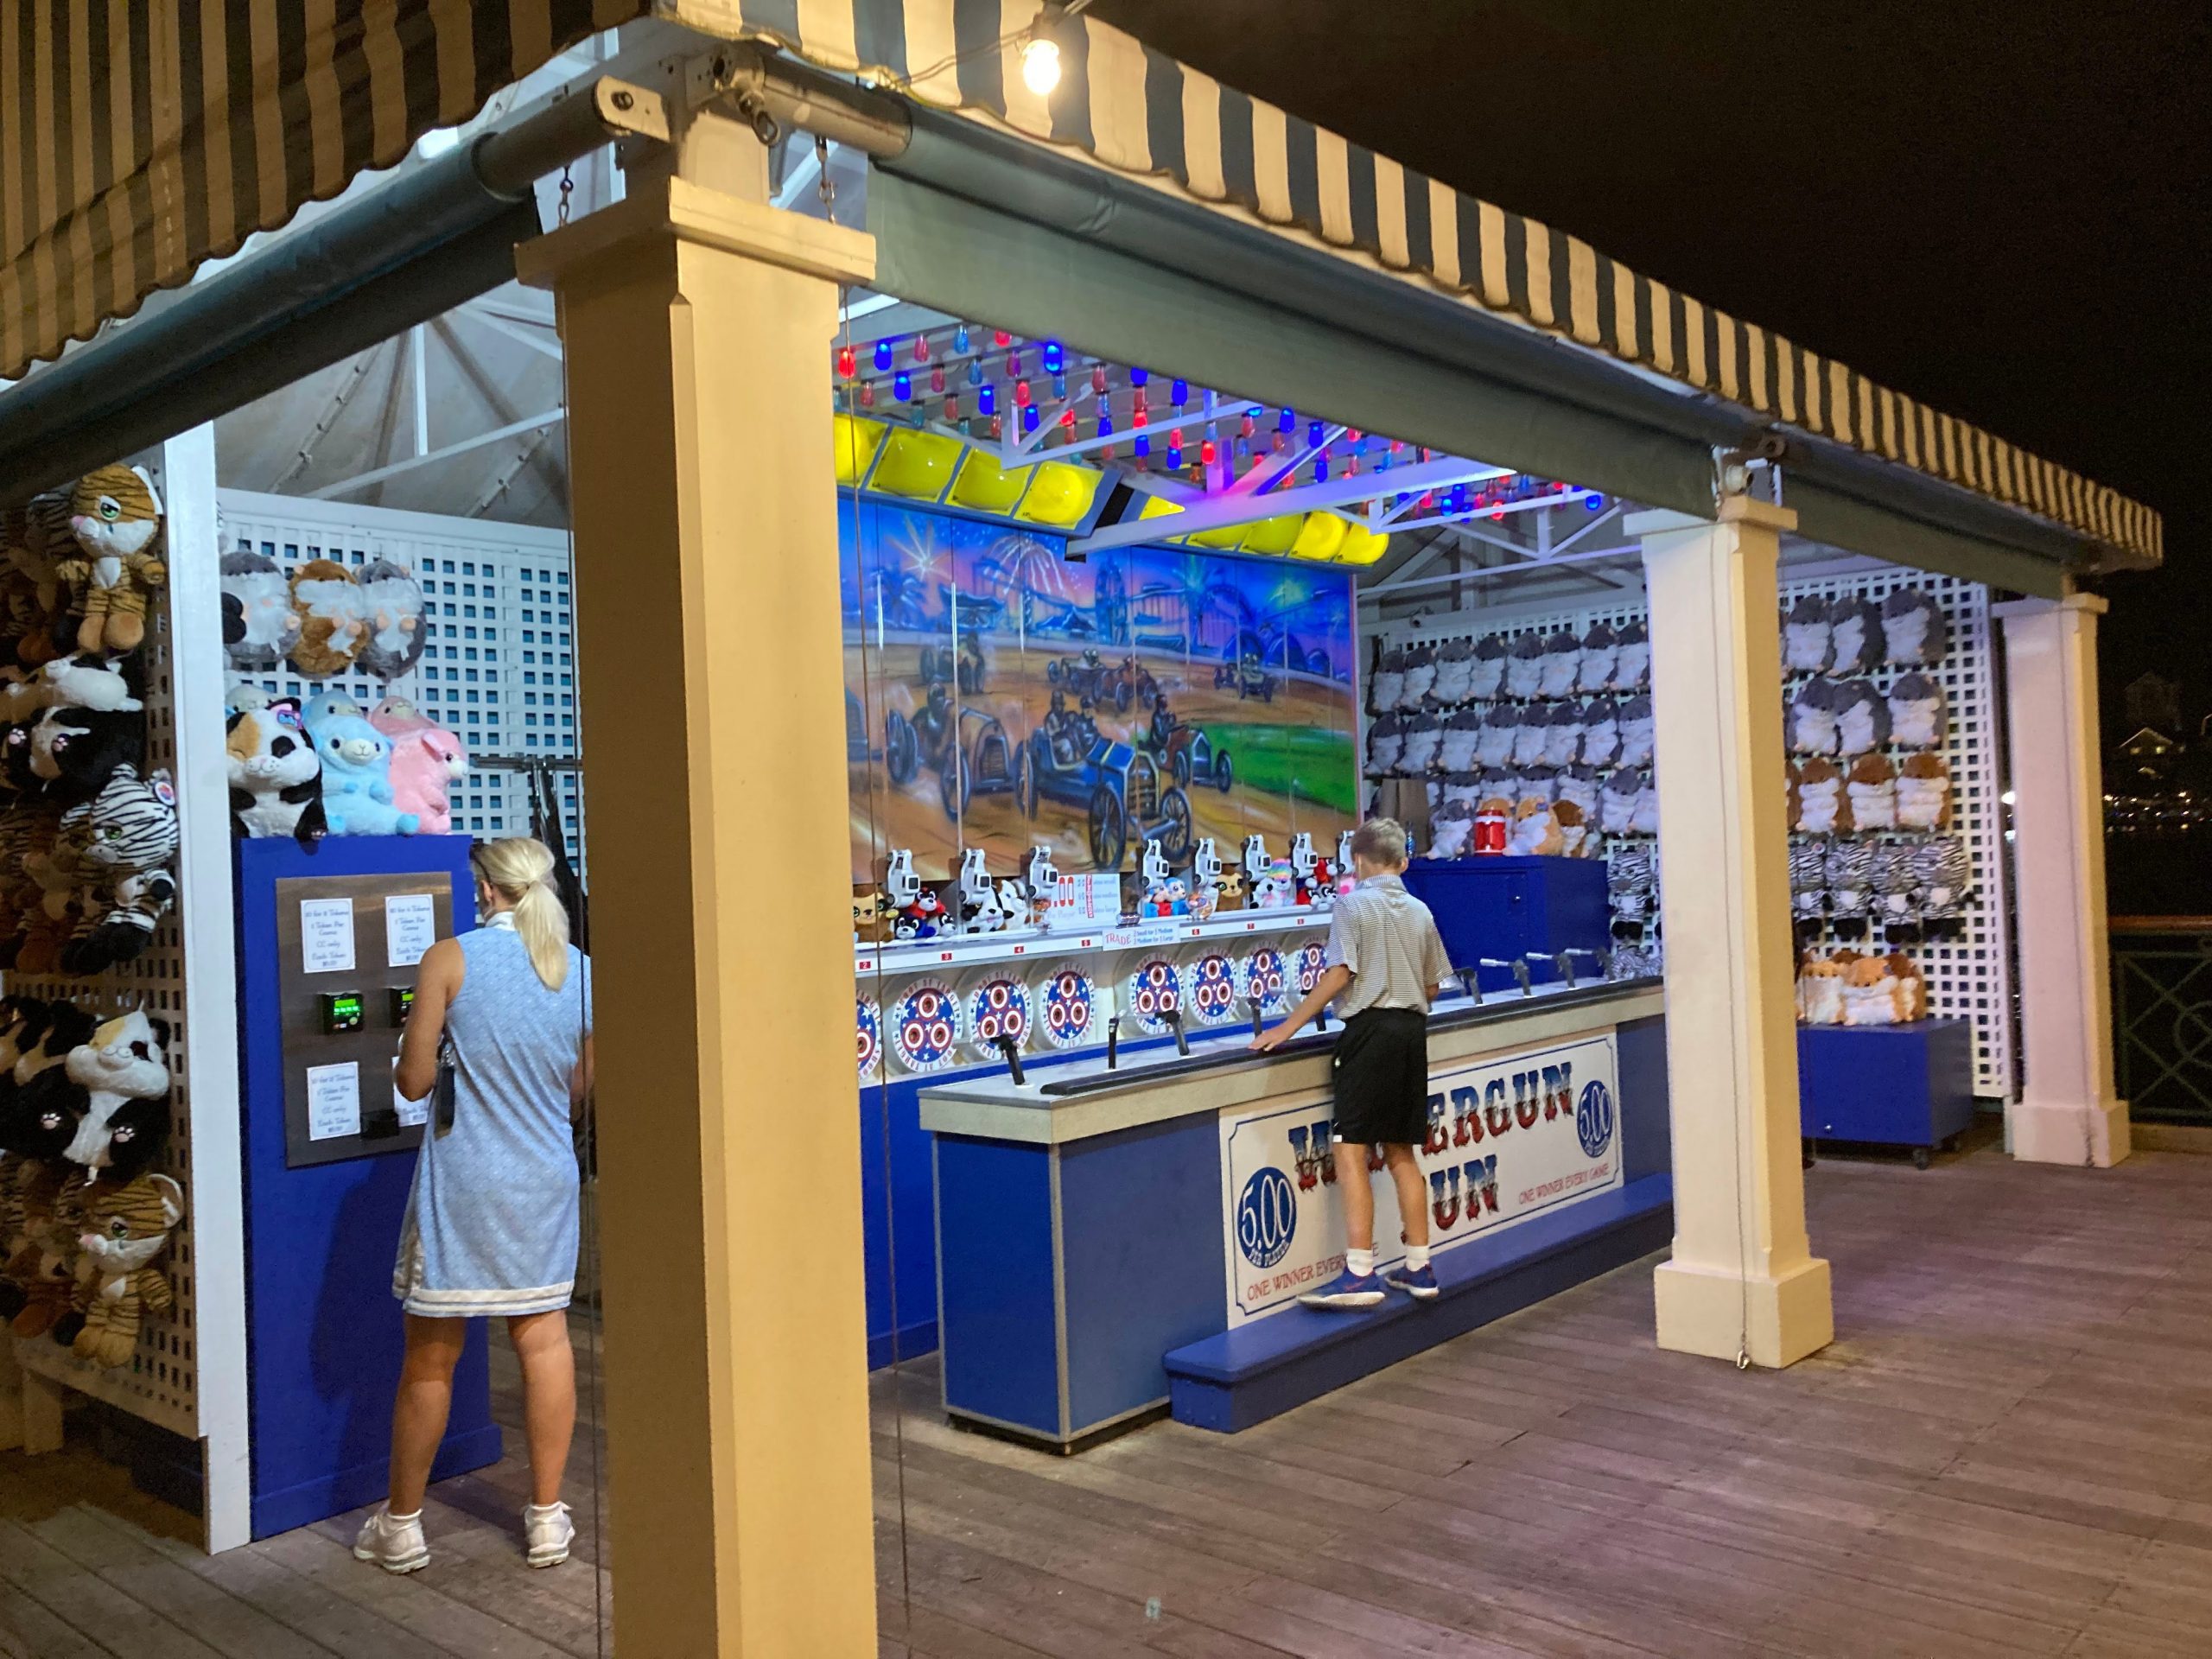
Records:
x=1347, y=1289
x=1419, y=1283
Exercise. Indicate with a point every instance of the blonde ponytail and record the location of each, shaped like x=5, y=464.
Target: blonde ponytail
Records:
x=521, y=869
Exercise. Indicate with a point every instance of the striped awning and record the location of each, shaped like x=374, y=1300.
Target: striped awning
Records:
x=138, y=138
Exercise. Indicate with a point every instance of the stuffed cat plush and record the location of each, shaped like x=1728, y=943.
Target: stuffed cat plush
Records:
x=426, y=762
x=74, y=751
x=276, y=774
x=123, y=1070
x=332, y=623
x=114, y=517
x=42, y=541
x=100, y=682
x=129, y=831
x=260, y=622
x=125, y=1226
x=393, y=607
x=356, y=794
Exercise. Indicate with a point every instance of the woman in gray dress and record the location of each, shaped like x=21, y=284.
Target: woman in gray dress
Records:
x=491, y=1225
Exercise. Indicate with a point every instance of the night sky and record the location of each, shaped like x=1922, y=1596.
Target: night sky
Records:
x=2000, y=208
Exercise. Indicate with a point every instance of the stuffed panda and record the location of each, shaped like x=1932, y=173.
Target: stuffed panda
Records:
x=1808, y=646
x=275, y=773
x=392, y=609
x=123, y=1070
x=1494, y=743
x=357, y=796
x=1524, y=666
x=1914, y=629
x=1562, y=665
x=1632, y=666
x=1387, y=682
x=1917, y=713
x=1487, y=677
x=261, y=622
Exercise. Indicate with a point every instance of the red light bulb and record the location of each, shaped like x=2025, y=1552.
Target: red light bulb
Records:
x=867, y=394
x=1021, y=394
x=1098, y=378
x=848, y=362
x=1207, y=453
x=921, y=348
x=1001, y=338
x=936, y=380
x=1138, y=418
x=1067, y=419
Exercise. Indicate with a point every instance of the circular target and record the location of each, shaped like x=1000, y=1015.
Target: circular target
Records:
x=1307, y=965
x=997, y=1007
x=1265, y=979
x=870, y=1025
x=1212, y=986
x=926, y=1026
x=1154, y=990
x=1068, y=1001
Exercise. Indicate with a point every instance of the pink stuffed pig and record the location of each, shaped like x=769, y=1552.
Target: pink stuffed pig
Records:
x=426, y=760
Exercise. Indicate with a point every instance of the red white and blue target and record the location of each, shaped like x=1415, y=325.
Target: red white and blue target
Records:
x=926, y=1026
x=1265, y=980
x=1213, y=988
x=1311, y=960
x=871, y=1036
x=998, y=1008
x=1155, y=990
x=1068, y=1001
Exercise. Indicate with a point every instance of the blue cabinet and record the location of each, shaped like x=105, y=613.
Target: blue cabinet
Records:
x=1505, y=907
x=1910, y=1085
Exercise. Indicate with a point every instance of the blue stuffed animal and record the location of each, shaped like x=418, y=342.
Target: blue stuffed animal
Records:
x=357, y=779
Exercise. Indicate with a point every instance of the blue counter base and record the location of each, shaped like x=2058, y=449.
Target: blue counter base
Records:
x=1242, y=1377
x=363, y=1484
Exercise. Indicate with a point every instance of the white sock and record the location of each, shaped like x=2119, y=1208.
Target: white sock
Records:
x=1359, y=1263
x=542, y=1511
x=1416, y=1258
x=400, y=1520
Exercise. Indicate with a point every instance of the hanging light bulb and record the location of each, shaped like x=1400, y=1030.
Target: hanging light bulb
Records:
x=1209, y=452
x=1028, y=419
x=1594, y=502
x=1457, y=498
x=1181, y=392
x=882, y=354
x=1280, y=444
x=936, y=379
x=867, y=394
x=921, y=348
x=987, y=399
x=1175, y=451
x=1139, y=418
x=1098, y=378
x=1055, y=359
x=1287, y=422
x=1105, y=424
x=1142, y=447
x=1067, y=419
x=1012, y=365
x=1428, y=501
x=1140, y=376
x=1247, y=427
x=952, y=412
x=1314, y=433
x=975, y=372
x=1040, y=64
x=1320, y=469
x=960, y=340
x=1140, y=399
x=998, y=428
x=1001, y=338
x=902, y=386
x=1244, y=452
x=848, y=362
x=1021, y=394
x=1060, y=385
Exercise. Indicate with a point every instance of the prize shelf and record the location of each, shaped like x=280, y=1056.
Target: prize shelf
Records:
x=1028, y=945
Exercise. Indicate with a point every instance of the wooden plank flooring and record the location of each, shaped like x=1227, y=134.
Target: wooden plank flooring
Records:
x=2008, y=1450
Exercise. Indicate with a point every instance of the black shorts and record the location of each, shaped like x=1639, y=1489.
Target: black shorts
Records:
x=1382, y=1077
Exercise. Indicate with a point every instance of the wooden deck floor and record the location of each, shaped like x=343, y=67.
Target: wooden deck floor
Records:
x=2007, y=1451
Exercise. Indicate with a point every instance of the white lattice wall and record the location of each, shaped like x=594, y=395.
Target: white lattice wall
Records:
x=1967, y=965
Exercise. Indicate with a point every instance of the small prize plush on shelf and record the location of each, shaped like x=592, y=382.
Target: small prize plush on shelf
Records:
x=1823, y=805
x=1820, y=991
x=1455, y=670
x=1494, y=744
x=1574, y=828
x=1812, y=717
x=1855, y=637
x=1639, y=731
x=125, y=1227
x=1632, y=669
x=1600, y=659
x=1388, y=683
x=1524, y=666
x=129, y=835
x=1850, y=867
x=1487, y=677
x=394, y=634
x=1424, y=736
x=1386, y=744
x=1578, y=787
x=357, y=796
x=869, y=921
x=1808, y=881
x=276, y=775
x=1870, y=993
x=1916, y=718
x=1873, y=786
x=1450, y=829
x=123, y=1070
x=74, y=751
x=114, y=517
x=1909, y=988
x=1421, y=675
x=332, y=619
x=1463, y=731
x=1808, y=646
x=1923, y=792
x=1617, y=801
x=1537, y=829
x=923, y=917
x=261, y=624
x=1562, y=665
x=1601, y=733
x=1862, y=718
x=1532, y=737
x=1278, y=888
x=1914, y=628
x=1943, y=877
x=1563, y=735
x=428, y=761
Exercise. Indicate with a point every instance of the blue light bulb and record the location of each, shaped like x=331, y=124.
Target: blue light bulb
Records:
x=975, y=372
x=1138, y=377
x=1105, y=424
x=1179, y=392
x=1060, y=385
x=987, y=400
x=960, y=339
x=902, y=386
x=1594, y=502
x=1320, y=469
x=1288, y=423
x=1458, y=498
x=882, y=354
x=1142, y=447
x=1053, y=358
x=1315, y=432
x=1028, y=418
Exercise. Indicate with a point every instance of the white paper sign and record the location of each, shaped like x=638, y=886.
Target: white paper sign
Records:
x=1510, y=1137
x=410, y=927
x=413, y=1114
x=334, y=1100
x=327, y=935
x=1093, y=898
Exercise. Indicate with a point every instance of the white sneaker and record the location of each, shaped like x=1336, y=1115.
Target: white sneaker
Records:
x=547, y=1533
x=395, y=1545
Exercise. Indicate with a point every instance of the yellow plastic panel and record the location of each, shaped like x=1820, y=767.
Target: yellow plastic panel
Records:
x=918, y=464
x=1227, y=536
x=1061, y=495
x=857, y=440
x=986, y=487
x=1361, y=545
x=1276, y=534
x=1158, y=506
x=1322, y=534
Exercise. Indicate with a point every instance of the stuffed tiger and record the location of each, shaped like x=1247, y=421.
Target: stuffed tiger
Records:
x=124, y=1225
x=39, y=1268
x=37, y=606
x=129, y=832
x=114, y=517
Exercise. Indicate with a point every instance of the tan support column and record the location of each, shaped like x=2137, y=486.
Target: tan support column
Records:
x=1742, y=1278
x=698, y=330
x=2069, y=1111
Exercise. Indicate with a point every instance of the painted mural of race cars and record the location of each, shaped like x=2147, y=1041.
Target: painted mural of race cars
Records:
x=1119, y=789
x=1125, y=685
x=968, y=749
x=1249, y=677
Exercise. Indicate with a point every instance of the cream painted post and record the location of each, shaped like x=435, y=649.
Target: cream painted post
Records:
x=1742, y=1280
x=698, y=330
x=2069, y=1111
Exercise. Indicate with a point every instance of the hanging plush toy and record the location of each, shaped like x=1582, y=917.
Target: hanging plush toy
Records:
x=1532, y=736
x=1914, y=628
x=1524, y=666
x=276, y=776
x=1388, y=683
x=42, y=543
x=332, y=619
x=114, y=517
x=1562, y=665
x=1850, y=866
x=1455, y=672
x=1421, y=675
x=1823, y=807
x=1943, y=876
x=1645, y=821
x=123, y=1070
x=1895, y=885
x=1862, y=718
x=1812, y=717
x=1632, y=883
x=1424, y=736
x=1463, y=731
x=1916, y=718
x=125, y=1227
x=392, y=609
x=1601, y=658
x=40, y=1265
x=1601, y=733
x=1855, y=637
x=1494, y=743
x=1639, y=731
x=74, y=751
x=53, y=908
x=1633, y=670
x=261, y=624
x=92, y=681
x=1924, y=792
x=1617, y=801
x=426, y=762
x=1808, y=646
x=1809, y=882
x=1486, y=677
x=1386, y=743
x=356, y=793
x=130, y=833
x=1563, y=735
x=1872, y=784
